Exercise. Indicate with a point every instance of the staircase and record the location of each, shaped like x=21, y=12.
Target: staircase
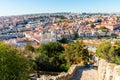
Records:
x=86, y=74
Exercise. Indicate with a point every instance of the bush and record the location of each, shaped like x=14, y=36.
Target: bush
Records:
x=76, y=52
x=109, y=52
x=50, y=57
x=13, y=66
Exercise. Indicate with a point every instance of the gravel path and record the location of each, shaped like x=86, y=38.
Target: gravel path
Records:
x=85, y=74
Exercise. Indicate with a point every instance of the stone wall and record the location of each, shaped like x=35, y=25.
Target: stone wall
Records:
x=108, y=71
x=61, y=76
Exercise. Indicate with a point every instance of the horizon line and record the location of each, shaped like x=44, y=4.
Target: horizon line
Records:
x=58, y=12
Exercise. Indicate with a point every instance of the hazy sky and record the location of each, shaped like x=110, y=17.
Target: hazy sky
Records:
x=16, y=7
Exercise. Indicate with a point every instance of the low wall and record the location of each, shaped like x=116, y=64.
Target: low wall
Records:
x=48, y=73
x=108, y=71
x=61, y=76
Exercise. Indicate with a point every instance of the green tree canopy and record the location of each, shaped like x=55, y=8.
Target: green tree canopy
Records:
x=63, y=40
x=92, y=25
x=102, y=28
x=51, y=49
x=104, y=49
x=76, y=52
x=13, y=66
x=117, y=42
x=109, y=52
x=50, y=58
x=41, y=61
x=29, y=47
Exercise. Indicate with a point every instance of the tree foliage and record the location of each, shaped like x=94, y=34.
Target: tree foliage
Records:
x=102, y=28
x=104, y=49
x=13, y=66
x=50, y=57
x=42, y=62
x=92, y=25
x=76, y=52
x=63, y=40
x=109, y=52
x=51, y=49
x=29, y=47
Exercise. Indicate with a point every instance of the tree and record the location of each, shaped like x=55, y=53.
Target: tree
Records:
x=109, y=52
x=116, y=54
x=29, y=47
x=51, y=58
x=41, y=61
x=104, y=49
x=76, y=36
x=76, y=52
x=13, y=66
x=63, y=40
x=92, y=25
x=102, y=28
x=117, y=50
x=117, y=42
x=51, y=49
x=118, y=18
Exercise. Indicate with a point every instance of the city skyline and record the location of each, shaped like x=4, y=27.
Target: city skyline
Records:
x=20, y=7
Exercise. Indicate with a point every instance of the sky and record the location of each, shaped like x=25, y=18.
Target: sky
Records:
x=19, y=7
